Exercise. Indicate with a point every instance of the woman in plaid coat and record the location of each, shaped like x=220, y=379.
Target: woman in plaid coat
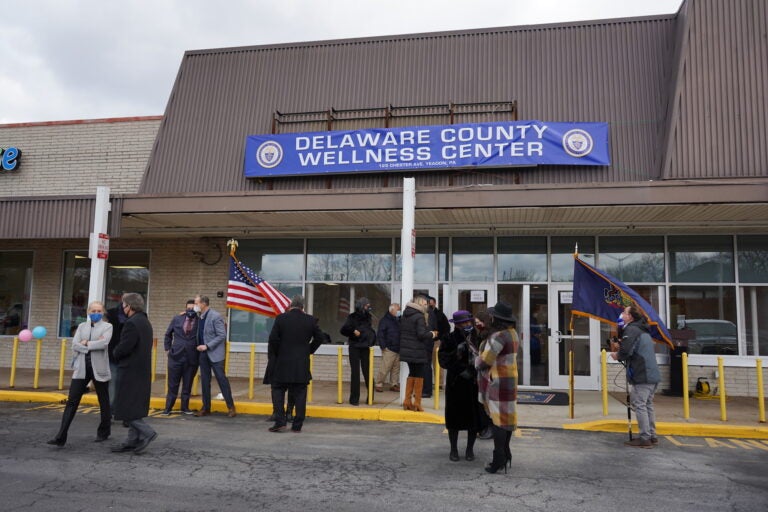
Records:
x=497, y=382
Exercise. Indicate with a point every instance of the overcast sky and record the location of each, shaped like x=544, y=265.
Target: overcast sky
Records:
x=90, y=59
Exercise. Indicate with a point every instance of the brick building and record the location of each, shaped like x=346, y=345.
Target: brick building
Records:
x=679, y=212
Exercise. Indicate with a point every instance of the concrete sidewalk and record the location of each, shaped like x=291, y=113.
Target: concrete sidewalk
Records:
x=742, y=413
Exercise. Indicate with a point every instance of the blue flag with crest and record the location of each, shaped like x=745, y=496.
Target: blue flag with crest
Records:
x=603, y=297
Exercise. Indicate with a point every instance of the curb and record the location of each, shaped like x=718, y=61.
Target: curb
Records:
x=397, y=415
x=675, y=429
x=253, y=408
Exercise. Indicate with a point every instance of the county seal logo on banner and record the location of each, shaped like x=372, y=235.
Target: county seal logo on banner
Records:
x=501, y=144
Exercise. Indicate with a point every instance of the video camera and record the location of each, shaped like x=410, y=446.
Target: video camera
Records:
x=612, y=339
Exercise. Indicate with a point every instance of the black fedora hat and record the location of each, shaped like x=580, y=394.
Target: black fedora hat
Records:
x=503, y=311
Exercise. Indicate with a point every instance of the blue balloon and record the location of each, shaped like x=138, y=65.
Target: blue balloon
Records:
x=39, y=332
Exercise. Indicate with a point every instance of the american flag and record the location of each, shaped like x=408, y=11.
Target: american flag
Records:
x=249, y=292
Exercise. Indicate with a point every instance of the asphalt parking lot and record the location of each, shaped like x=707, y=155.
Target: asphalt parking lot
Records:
x=218, y=463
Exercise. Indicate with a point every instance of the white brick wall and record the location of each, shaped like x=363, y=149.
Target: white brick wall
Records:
x=74, y=158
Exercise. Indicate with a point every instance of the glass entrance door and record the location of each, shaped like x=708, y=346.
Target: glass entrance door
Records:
x=469, y=297
x=563, y=340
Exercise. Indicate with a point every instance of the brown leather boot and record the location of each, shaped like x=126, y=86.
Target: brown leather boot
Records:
x=418, y=387
x=407, y=404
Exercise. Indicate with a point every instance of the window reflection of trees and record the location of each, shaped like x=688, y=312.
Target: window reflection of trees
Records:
x=350, y=267
x=636, y=268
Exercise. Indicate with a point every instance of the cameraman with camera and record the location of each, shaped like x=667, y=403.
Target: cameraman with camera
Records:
x=462, y=409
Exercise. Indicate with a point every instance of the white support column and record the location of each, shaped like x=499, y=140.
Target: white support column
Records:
x=100, y=219
x=407, y=256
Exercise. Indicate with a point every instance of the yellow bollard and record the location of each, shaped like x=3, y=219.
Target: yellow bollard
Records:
x=309, y=387
x=338, y=374
x=38, y=350
x=571, y=391
x=226, y=358
x=604, y=379
x=686, y=399
x=251, y=371
x=370, y=376
x=14, y=355
x=61, y=362
x=760, y=393
x=154, y=358
x=721, y=385
x=436, y=380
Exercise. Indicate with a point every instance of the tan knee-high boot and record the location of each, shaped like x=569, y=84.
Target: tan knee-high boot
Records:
x=407, y=404
x=418, y=387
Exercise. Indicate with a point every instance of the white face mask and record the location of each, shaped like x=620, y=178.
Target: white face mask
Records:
x=197, y=308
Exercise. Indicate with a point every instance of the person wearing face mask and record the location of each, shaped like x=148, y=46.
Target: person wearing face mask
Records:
x=457, y=356
x=388, y=335
x=211, y=343
x=89, y=364
x=361, y=336
x=183, y=358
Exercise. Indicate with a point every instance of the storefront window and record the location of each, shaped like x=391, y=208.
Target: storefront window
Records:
x=753, y=259
x=15, y=283
x=563, y=248
x=473, y=259
x=633, y=259
x=522, y=259
x=442, y=259
x=249, y=327
x=756, y=319
x=332, y=303
x=424, y=266
x=274, y=260
x=127, y=271
x=350, y=259
x=706, y=317
x=701, y=259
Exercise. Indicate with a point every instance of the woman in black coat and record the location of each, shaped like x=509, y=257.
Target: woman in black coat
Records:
x=462, y=409
x=414, y=340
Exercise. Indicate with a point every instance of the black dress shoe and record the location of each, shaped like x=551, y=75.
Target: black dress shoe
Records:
x=122, y=447
x=470, y=455
x=100, y=439
x=56, y=442
x=144, y=443
x=276, y=428
x=454, y=456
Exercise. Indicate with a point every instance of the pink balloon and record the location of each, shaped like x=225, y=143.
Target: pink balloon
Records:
x=25, y=335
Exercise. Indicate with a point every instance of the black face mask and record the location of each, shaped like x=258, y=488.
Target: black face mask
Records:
x=191, y=313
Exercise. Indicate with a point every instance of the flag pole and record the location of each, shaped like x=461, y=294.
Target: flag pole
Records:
x=232, y=244
x=571, y=392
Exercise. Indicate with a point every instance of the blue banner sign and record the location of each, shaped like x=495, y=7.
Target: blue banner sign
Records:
x=518, y=143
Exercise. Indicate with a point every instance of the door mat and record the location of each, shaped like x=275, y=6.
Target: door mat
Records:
x=542, y=398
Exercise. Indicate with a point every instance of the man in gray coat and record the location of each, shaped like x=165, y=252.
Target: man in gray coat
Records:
x=211, y=343
x=134, y=359
x=636, y=349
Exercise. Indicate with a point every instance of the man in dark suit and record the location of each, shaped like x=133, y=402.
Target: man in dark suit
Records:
x=181, y=351
x=134, y=358
x=294, y=336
